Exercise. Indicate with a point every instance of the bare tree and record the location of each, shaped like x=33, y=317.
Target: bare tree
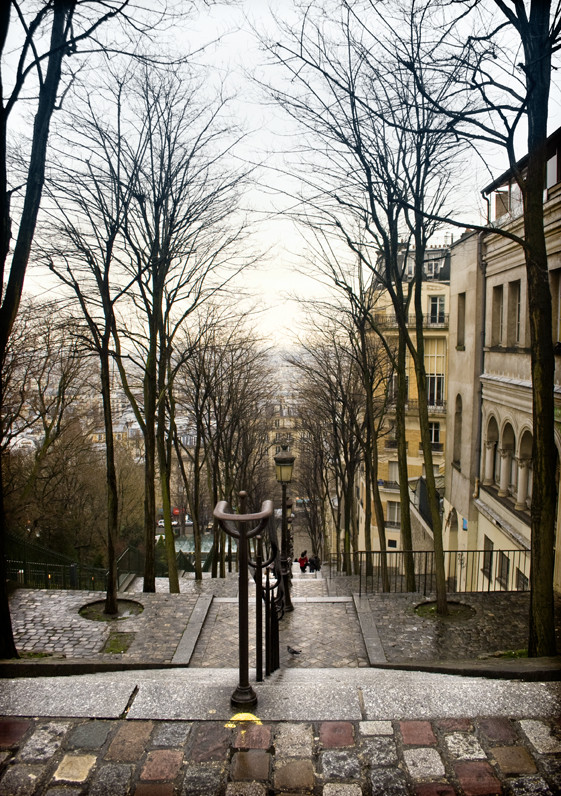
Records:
x=385, y=170
x=49, y=35
x=497, y=59
x=331, y=389
x=90, y=197
x=224, y=392
x=184, y=235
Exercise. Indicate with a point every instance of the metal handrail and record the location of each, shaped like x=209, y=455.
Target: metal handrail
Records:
x=243, y=696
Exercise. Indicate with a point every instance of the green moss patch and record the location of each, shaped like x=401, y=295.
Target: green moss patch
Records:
x=118, y=643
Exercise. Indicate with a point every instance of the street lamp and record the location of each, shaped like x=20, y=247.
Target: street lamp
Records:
x=284, y=462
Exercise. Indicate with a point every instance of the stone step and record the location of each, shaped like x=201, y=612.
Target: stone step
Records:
x=290, y=695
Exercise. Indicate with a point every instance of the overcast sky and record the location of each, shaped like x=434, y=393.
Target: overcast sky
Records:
x=234, y=54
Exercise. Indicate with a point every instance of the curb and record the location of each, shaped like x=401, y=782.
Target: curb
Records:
x=527, y=670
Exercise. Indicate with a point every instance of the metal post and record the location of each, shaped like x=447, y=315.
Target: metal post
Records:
x=244, y=697
x=269, y=605
x=285, y=564
x=259, y=612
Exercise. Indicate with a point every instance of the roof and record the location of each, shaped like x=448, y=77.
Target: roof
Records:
x=552, y=143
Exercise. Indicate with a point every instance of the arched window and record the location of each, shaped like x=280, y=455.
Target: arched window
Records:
x=508, y=472
x=491, y=469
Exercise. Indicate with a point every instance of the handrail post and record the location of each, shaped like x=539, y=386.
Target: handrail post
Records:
x=243, y=697
x=259, y=611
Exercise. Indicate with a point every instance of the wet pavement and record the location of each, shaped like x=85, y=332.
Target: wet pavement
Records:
x=332, y=626
x=328, y=723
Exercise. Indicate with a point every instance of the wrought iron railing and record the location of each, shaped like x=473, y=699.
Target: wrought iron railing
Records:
x=37, y=567
x=465, y=570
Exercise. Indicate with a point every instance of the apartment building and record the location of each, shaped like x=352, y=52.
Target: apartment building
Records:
x=489, y=478
x=435, y=304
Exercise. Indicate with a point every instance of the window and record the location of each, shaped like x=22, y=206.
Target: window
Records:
x=457, y=452
x=555, y=279
x=513, y=332
x=497, y=316
x=393, y=513
x=435, y=366
x=553, y=170
x=435, y=389
x=461, y=330
x=436, y=309
x=392, y=543
x=487, y=557
x=522, y=583
x=393, y=472
x=504, y=569
x=434, y=432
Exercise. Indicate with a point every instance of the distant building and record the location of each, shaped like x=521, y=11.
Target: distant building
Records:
x=435, y=305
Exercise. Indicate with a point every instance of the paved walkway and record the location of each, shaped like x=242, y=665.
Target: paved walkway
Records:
x=330, y=732
x=330, y=626
x=345, y=730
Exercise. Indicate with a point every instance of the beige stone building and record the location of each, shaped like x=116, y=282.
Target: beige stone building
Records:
x=435, y=303
x=489, y=477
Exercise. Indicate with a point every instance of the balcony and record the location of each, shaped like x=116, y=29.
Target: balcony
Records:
x=388, y=484
x=389, y=321
x=391, y=444
x=436, y=447
x=436, y=408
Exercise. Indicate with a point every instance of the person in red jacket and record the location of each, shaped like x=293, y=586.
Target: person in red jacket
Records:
x=303, y=560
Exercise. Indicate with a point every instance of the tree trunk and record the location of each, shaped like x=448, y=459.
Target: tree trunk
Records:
x=150, y=473
x=537, y=47
x=48, y=89
x=164, y=465
x=401, y=437
x=379, y=513
x=111, y=606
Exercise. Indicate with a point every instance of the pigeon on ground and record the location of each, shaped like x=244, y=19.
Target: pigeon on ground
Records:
x=293, y=651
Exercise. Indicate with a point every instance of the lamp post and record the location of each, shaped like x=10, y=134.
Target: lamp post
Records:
x=284, y=462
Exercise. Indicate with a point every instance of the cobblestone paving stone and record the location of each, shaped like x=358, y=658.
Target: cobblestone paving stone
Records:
x=327, y=635
x=405, y=636
x=327, y=632
x=242, y=758
x=49, y=621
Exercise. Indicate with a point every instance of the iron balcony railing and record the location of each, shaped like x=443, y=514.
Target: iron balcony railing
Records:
x=465, y=570
x=435, y=406
x=430, y=321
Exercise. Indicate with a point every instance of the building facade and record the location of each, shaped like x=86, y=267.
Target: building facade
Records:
x=489, y=478
x=435, y=304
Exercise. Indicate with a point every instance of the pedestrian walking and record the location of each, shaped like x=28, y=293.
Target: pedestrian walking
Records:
x=314, y=563
x=303, y=560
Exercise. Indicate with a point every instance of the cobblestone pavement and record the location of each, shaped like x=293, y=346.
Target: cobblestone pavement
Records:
x=324, y=625
x=327, y=635
x=249, y=758
x=470, y=756
x=46, y=621
x=407, y=636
